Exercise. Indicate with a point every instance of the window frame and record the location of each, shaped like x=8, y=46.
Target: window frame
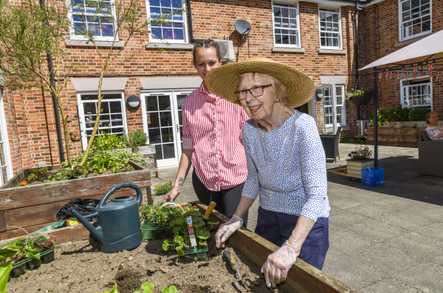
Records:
x=81, y=114
x=74, y=36
x=405, y=103
x=333, y=88
x=340, y=33
x=400, y=23
x=5, y=145
x=169, y=41
x=294, y=6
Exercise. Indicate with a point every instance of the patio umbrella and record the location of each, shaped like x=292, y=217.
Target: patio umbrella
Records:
x=430, y=47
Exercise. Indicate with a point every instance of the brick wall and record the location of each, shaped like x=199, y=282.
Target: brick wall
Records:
x=379, y=35
x=210, y=19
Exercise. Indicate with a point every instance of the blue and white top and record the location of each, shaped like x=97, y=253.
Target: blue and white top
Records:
x=287, y=167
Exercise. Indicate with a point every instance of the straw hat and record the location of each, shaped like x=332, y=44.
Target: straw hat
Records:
x=223, y=81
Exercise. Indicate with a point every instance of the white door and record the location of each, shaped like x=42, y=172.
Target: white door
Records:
x=5, y=160
x=334, y=107
x=162, y=124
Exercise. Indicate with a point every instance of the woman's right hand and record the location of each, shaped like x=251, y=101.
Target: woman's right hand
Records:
x=172, y=195
x=227, y=229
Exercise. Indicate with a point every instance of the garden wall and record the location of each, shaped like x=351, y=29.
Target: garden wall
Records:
x=405, y=134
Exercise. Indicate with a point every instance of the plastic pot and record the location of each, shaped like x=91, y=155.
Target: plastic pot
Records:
x=33, y=264
x=47, y=256
x=196, y=253
x=151, y=231
x=19, y=268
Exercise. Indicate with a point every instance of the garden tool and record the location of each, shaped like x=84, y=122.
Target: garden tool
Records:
x=114, y=224
x=233, y=264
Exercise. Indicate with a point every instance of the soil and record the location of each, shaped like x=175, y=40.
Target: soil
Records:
x=78, y=268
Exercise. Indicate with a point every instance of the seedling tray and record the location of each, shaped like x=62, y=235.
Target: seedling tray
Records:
x=152, y=232
x=19, y=267
x=196, y=253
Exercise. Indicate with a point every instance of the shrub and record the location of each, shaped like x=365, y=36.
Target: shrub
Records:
x=108, y=142
x=360, y=154
x=137, y=138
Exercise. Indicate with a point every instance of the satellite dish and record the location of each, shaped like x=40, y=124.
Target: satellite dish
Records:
x=242, y=27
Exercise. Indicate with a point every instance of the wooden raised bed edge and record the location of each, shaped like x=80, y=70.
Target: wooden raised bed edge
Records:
x=302, y=277
x=33, y=206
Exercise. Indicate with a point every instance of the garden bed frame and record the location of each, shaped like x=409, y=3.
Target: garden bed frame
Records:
x=302, y=277
x=27, y=208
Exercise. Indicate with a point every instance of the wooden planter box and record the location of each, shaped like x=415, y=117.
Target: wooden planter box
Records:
x=404, y=134
x=28, y=208
x=302, y=277
x=354, y=167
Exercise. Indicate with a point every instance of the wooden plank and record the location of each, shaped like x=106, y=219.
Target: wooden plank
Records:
x=32, y=195
x=301, y=278
x=29, y=216
x=20, y=232
x=2, y=221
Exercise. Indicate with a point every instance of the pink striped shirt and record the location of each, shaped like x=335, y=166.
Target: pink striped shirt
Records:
x=212, y=128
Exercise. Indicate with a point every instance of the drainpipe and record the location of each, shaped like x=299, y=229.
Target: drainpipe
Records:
x=52, y=82
x=189, y=19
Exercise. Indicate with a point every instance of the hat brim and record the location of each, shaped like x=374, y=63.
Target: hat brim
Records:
x=224, y=81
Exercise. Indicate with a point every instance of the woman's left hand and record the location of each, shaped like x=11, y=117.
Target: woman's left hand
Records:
x=277, y=265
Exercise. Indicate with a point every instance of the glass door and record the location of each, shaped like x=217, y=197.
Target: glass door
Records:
x=162, y=123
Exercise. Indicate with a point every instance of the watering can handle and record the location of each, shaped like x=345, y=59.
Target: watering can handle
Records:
x=116, y=187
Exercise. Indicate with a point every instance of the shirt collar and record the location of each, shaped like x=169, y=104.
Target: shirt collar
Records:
x=210, y=97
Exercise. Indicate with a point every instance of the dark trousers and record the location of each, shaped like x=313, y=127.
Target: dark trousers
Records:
x=227, y=200
x=277, y=227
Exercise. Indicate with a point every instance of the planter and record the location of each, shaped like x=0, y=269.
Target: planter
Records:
x=47, y=256
x=152, y=231
x=19, y=268
x=354, y=167
x=196, y=254
x=34, y=206
x=33, y=264
x=404, y=134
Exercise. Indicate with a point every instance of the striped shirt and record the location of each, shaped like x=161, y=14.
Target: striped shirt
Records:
x=287, y=168
x=212, y=128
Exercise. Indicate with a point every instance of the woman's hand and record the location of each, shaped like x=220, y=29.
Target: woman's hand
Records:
x=172, y=195
x=227, y=229
x=277, y=265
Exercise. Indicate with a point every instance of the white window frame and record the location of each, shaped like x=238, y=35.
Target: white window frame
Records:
x=340, y=35
x=73, y=36
x=81, y=114
x=169, y=41
x=172, y=93
x=333, y=88
x=404, y=100
x=400, y=23
x=295, y=6
x=4, y=138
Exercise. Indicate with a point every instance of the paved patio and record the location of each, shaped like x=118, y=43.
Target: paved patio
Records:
x=384, y=239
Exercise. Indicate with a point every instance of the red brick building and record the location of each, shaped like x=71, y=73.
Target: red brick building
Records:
x=316, y=37
x=386, y=26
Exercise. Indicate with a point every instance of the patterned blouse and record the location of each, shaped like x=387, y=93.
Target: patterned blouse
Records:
x=287, y=167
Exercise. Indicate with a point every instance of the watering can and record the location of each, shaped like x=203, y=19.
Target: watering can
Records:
x=115, y=223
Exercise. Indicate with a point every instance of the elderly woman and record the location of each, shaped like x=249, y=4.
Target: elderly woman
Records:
x=433, y=131
x=286, y=163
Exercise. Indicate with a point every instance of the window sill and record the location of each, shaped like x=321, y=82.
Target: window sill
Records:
x=332, y=51
x=288, y=50
x=410, y=40
x=83, y=43
x=172, y=46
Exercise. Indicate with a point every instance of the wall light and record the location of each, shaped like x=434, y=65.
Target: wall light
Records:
x=319, y=94
x=133, y=102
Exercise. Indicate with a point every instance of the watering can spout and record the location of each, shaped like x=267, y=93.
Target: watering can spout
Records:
x=96, y=232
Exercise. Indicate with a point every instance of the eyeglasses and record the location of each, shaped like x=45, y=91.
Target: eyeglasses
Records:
x=255, y=91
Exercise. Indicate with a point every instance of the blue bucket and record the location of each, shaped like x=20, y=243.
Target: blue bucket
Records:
x=373, y=176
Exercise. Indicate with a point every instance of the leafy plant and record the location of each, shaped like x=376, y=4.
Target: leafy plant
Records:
x=146, y=287
x=179, y=228
x=163, y=188
x=158, y=214
x=356, y=93
x=401, y=114
x=360, y=154
x=5, y=271
x=108, y=142
x=137, y=138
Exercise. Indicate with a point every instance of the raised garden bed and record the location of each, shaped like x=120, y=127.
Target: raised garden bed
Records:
x=404, y=134
x=78, y=269
x=28, y=208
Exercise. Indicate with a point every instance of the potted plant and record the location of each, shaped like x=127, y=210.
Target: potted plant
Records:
x=162, y=188
x=358, y=160
x=155, y=219
x=137, y=141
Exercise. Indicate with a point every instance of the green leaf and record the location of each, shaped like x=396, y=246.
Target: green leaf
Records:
x=170, y=289
x=113, y=290
x=5, y=270
x=165, y=245
x=148, y=287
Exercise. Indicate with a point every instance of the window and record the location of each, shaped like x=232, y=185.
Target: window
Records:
x=286, y=26
x=330, y=29
x=416, y=92
x=167, y=20
x=334, y=105
x=414, y=18
x=112, y=116
x=93, y=18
